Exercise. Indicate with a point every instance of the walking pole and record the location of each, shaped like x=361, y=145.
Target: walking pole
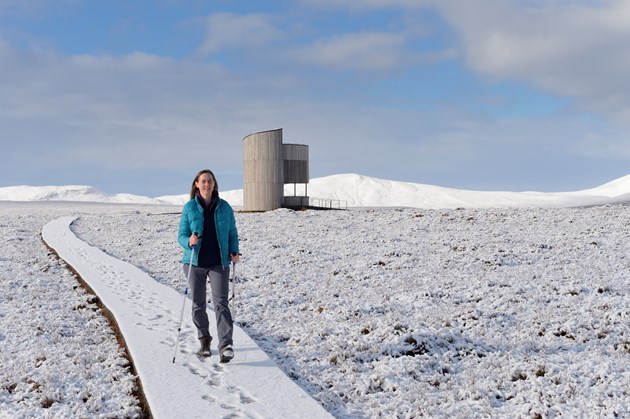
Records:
x=233, y=281
x=181, y=317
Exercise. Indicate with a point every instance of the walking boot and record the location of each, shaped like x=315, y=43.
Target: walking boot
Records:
x=227, y=353
x=204, y=350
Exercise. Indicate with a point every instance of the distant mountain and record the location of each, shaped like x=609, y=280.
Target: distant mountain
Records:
x=357, y=191
x=366, y=191
x=77, y=193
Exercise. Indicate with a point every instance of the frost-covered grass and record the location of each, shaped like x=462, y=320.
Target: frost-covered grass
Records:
x=375, y=312
x=407, y=312
x=59, y=356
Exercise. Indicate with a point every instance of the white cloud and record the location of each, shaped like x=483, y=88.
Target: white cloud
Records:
x=369, y=4
x=265, y=40
x=137, y=110
x=569, y=48
x=576, y=49
x=228, y=30
x=363, y=51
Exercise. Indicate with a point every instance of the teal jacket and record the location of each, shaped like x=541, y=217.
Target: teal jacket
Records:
x=191, y=222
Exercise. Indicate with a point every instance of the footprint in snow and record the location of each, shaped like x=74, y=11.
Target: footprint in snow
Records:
x=230, y=407
x=245, y=399
x=209, y=398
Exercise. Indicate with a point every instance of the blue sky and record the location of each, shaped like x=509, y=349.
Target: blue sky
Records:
x=137, y=96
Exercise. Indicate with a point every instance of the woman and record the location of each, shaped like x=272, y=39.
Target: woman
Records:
x=207, y=222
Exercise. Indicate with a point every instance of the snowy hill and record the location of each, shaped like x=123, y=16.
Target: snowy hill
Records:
x=358, y=191
x=78, y=193
x=363, y=191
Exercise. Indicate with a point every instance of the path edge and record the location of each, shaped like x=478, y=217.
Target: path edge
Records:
x=113, y=324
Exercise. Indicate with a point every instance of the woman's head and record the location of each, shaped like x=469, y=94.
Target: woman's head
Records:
x=202, y=177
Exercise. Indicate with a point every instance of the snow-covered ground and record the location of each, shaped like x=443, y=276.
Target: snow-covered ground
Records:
x=145, y=312
x=59, y=357
x=393, y=312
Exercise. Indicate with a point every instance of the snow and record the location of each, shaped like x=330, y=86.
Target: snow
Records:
x=461, y=311
x=79, y=193
x=145, y=311
x=357, y=191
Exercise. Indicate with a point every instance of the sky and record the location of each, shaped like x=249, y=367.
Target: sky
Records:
x=136, y=97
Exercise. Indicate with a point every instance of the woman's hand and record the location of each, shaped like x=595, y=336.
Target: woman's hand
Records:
x=194, y=238
x=235, y=257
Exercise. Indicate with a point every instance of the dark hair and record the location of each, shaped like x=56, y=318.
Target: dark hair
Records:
x=194, y=189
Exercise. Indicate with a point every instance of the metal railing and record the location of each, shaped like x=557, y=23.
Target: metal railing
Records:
x=328, y=203
x=310, y=202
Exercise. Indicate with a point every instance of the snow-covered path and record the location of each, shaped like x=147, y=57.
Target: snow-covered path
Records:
x=147, y=314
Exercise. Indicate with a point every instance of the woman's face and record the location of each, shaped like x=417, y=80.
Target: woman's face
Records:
x=205, y=184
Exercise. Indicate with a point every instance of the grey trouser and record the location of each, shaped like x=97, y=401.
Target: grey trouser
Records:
x=219, y=284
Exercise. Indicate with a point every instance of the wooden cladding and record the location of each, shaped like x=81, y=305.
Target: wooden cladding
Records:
x=295, y=163
x=263, y=179
x=267, y=166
